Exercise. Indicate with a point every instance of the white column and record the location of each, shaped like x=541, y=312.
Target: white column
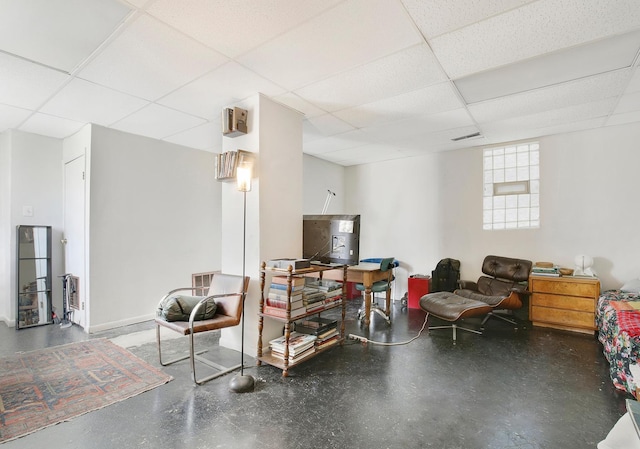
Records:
x=274, y=207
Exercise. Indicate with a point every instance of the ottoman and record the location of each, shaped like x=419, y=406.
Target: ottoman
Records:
x=450, y=307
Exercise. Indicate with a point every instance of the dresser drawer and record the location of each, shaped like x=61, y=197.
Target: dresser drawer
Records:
x=569, y=318
x=589, y=289
x=564, y=302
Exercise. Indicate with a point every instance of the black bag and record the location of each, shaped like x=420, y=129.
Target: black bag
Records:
x=446, y=276
x=179, y=307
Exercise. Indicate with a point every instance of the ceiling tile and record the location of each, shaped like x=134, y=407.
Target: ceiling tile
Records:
x=149, y=60
x=48, y=125
x=233, y=29
x=588, y=89
x=11, y=117
x=139, y=3
x=337, y=142
x=428, y=148
x=157, y=121
x=532, y=30
x=577, y=62
x=621, y=119
x=507, y=133
x=435, y=140
x=634, y=84
x=25, y=84
x=353, y=33
x=230, y=83
x=628, y=103
x=294, y=101
x=420, y=125
x=430, y=100
x=323, y=126
x=359, y=70
x=67, y=31
x=556, y=117
x=404, y=71
x=435, y=17
x=366, y=154
x=207, y=136
x=83, y=101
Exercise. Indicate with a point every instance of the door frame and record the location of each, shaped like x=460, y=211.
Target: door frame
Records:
x=78, y=264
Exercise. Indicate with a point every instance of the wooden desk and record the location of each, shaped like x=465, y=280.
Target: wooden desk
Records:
x=367, y=274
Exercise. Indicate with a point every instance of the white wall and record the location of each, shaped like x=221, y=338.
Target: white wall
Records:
x=319, y=176
x=155, y=220
x=433, y=209
x=398, y=203
x=34, y=179
x=6, y=256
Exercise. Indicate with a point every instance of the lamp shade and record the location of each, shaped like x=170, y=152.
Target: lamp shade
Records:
x=243, y=176
x=583, y=266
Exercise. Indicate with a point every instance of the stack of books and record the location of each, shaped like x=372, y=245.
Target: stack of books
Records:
x=275, y=304
x=300, y=346
x=324, y=329
x=226, y=164
x=313, y=299
x=331, y=292
x=545, y=271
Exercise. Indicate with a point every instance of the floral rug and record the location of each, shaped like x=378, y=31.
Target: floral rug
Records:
x=45, y=387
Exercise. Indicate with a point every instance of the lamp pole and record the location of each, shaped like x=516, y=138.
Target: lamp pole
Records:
x=242, y=383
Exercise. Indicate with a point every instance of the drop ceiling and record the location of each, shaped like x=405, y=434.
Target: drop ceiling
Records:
x=376, y=79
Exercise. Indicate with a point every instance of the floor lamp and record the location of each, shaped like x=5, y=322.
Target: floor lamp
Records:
x=243, y=383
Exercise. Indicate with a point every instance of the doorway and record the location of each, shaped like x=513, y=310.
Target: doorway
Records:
x=74, y=235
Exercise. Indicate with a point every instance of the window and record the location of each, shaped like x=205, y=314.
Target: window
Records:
x=511, y=193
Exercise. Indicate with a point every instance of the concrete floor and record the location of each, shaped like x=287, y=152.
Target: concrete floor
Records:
x=530, y=389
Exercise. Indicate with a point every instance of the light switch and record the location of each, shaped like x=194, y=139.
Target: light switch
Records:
x=27, y=211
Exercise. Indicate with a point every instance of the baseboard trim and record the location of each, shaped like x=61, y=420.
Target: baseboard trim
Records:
x=8, y=322
x=115, y=324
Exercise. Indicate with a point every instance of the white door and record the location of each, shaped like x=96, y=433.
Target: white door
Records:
x=74, y=234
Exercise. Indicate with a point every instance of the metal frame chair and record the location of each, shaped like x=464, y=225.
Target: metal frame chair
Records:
x=227, y=291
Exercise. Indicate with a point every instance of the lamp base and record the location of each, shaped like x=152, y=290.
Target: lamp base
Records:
x=242, y=383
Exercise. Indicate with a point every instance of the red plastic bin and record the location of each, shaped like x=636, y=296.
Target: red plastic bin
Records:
x=418, y=287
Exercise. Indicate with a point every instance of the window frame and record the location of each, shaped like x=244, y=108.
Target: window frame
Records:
x=511, y=186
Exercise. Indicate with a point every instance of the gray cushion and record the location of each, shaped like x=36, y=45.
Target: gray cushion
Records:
x=179, y=308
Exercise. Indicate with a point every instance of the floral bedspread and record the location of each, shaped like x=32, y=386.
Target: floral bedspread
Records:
x=619, y=337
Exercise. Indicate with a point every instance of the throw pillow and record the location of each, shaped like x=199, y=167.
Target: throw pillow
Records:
x=633, y=286
x=179, y=308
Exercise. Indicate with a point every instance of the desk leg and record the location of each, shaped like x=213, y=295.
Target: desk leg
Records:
x=367, y=305
x=388, y=304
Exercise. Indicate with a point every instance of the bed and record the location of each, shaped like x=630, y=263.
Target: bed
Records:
x=618, y=323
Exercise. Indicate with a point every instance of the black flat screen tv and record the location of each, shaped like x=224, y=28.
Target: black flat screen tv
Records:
x=331, y=238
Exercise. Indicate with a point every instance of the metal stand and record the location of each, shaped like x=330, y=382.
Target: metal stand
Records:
x=330, y=195
x=66, y=294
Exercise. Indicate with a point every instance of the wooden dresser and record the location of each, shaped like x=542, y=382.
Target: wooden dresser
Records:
x=566, y=303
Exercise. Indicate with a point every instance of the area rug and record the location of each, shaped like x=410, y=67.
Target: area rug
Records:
x=45, y=387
